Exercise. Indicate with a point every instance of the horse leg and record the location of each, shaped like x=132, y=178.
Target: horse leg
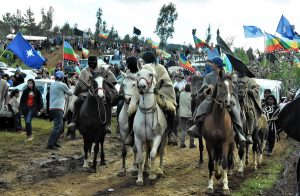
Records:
x=122, y=172
x=153, y=153
x=134, y=168
x=86, y=148
x=146, y=164
x=247, y=154
x=96, y=151
x=210, y=188
x=201, y=147
x=241, y=153
x=140, y=161
x=92, y=152
x=102, y=155
x=254, y=150
x=225, y=150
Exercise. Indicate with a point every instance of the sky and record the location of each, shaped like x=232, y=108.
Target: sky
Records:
x=227, y=15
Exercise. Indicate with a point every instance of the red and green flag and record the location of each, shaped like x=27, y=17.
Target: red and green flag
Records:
x=274, y=44
x=103, y=35
x=200, y=43
x=155, y=45
x=69, y=53
x=183, y=62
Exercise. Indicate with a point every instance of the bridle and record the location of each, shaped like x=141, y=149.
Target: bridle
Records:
x=219, y=100
x=149, y=83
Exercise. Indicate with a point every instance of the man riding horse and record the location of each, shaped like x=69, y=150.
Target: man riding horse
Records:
x=82, y=86
x=165, y=94
x=253, y=107
x=209, y=82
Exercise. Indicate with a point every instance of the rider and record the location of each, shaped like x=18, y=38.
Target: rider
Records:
x=210, y=80
x=252, y=93
x=81, y=91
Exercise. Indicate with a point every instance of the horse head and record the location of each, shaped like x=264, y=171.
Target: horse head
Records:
x=129, y=86
x=146, y=79
x=96, y=88
x=224, y=90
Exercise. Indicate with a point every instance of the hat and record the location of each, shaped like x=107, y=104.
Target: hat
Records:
x=132, y=64
x=59, y=74
x=218, y=61
x=149, y=57
x=92, y=60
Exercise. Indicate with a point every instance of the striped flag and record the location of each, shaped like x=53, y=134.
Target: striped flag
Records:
x=183, y=62
x=200, y=43
x=103, y=35
x=228, y=68
x=85, y=52
x=155, y=44
x=69, y=53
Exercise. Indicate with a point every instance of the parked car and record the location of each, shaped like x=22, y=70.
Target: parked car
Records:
x=111, y=59
x=43, y=85
x=83, y=63
x=3, y=65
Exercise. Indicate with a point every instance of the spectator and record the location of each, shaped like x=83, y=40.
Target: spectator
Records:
x=13, y=105
x=6, y=78
x=31, y=103
x=18, y=78
x=3, y=94
x=270, y=109
x=267, y=92
x=58, y=89
x=180, y=82
x=11, y=80
x=185, y=113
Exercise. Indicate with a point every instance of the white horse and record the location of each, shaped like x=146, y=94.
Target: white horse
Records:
x=129, y=86
x=149, y=124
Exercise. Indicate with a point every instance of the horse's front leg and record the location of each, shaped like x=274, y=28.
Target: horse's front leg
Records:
x=140, y=160
x=86, y=148
x=201, y=147
x=134, y=168
x=102, y=155
x=122, y=172
x=153, y=153
x=225, y=150
x=241, y=153
x=210, y=187
x=96, y=151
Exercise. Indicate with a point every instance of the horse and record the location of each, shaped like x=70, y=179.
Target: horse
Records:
x=258, y=127
x=92, y=121
x=196, y=84
x=129, y=87
x=218, y=132
x=149, y=125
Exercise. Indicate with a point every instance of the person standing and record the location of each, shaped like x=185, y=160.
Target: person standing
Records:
x=58, y=90
x=14, y=107
x=3, y=93
x=31, y=103
x=185, y=113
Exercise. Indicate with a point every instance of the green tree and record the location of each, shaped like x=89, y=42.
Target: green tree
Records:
x=99, y=22
x=165, y=23
x=15, y=21
x=241, y=54
x=47, y=20
x=66, y=29
x=30, y=24
x=126, y=38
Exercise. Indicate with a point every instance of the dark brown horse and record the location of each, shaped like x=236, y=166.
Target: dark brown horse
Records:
x=218, y=132
x=196, y=84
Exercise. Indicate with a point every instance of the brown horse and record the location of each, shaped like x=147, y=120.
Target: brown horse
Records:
x=218, y=132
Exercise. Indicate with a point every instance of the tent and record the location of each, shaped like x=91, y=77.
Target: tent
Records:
x=27, y=37
x=275, y=86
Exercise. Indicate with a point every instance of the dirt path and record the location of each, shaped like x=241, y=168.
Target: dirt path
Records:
x=182, y=176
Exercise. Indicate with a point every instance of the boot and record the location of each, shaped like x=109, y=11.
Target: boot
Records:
x=194, y=131
x=172, y=139
x=129, y=140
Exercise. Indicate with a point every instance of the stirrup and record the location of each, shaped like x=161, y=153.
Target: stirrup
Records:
x=194, y=131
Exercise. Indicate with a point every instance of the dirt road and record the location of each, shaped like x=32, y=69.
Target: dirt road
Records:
x=182, y=176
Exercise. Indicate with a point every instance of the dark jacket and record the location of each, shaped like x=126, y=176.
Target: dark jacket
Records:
x=38, y=100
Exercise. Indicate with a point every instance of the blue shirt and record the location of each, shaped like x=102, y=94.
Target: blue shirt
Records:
x=58, y=90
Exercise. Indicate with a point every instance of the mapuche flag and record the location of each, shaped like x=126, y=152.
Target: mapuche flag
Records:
x=199, y=43
x=183, y=62
x=274, y=44
x=69, y=53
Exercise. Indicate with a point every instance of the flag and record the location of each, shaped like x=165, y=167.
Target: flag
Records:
x=212, y=53
x=199, y=43
x=69, y=53
x=239, y=66
x=284, y=28
x=136, y=31
x=85, y=52
x=228, y=68
x=274, y=44
x=183, y=62
x=103, y=35
x=293, y=44
x=252, y=32
x=26, y=52
x=78, y=32
x=155, y=45
x=223, y=45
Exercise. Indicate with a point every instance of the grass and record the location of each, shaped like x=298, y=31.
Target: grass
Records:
x=263, y=179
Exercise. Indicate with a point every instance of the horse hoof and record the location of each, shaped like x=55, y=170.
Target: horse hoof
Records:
x=225, y=192
x=102, y=163
x=139, y=182
x=134, y=173
x=145, y=173
x=85, y=169
x=93, y=170
x=209, y=191
x=121, y=173
x=152, y=177
x=230, y=173
x=240, y=174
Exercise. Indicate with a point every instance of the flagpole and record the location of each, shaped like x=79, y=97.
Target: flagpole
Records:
x=3, y=52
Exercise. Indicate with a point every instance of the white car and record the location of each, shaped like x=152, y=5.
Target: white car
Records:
x=3, y=65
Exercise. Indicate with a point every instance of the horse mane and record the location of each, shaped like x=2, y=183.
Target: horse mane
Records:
x=214, y=94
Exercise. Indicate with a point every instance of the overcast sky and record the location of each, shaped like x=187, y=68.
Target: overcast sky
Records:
x=227, y=15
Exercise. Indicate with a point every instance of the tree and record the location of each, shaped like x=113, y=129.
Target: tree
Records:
x=165, y=23
x=66, y=29
x=47, y=19
x=15, y=21
x=99, y=22
x=30, y=24
x=56, y=29
x=126, y=38
x=208, y=35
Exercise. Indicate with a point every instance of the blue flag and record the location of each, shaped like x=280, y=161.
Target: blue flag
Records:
x=285, y=29
x=252, y=31
x=26, y=52
x=212, y=53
